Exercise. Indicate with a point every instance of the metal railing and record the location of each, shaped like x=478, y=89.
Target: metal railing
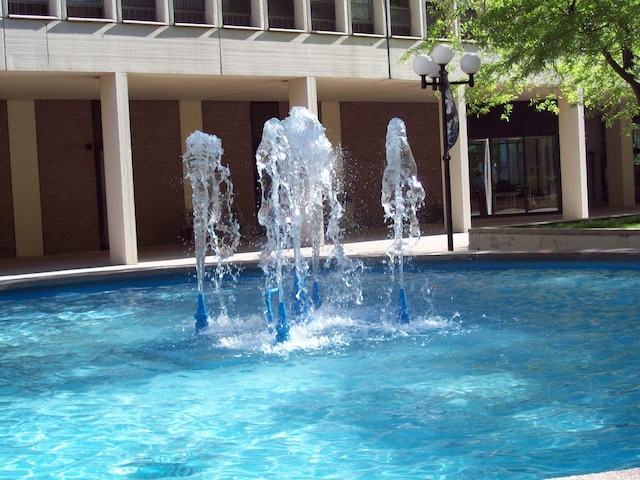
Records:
x=239, y=19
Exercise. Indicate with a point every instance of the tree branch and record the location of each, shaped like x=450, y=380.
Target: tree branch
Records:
x=623, y=72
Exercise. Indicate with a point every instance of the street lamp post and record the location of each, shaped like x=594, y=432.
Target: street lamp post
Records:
x=434, y=67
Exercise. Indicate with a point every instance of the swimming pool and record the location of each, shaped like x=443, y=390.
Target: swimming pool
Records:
x=507, y=370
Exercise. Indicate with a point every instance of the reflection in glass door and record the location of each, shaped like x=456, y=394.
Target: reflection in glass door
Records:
x=480, y=178
x=542, y=156
x=514, y=175
x=508, y=175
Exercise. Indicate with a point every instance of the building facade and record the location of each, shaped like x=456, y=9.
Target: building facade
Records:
x=98, y=96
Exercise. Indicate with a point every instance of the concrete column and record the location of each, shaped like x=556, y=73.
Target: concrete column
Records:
x=259, y=15
x=332, y=122
x=118, y=166
x=573, y=161
x=190, y=121
x=459, y=167
x=302, y=14
x=303, y=92
x=164, y=12
x=621, y=185
x=25, y=178
x=343, y=16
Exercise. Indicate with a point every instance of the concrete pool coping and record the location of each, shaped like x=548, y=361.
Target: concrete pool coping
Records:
x=631, y=474
x=531, y=238
x=66, y=269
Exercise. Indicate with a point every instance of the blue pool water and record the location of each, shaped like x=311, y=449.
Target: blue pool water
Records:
x=507, y=370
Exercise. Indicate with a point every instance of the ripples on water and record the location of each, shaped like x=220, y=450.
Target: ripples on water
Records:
x=506, y=371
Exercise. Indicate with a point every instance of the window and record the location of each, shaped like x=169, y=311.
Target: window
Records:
x=400, y=17
x=514, y=175
x=465, y=24
x=323, y=15
x=142, y=10
x=29, y=7
x=188, y=11
x=507, y=159
x=543, y=164
x=85, y=8
x=362, y=16
x=281, y=14
x=432, y=12
x=236, y=12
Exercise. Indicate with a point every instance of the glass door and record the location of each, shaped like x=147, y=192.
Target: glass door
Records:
x=542, y=155
x=480, y=178
x=508, y=175
x=514, y=175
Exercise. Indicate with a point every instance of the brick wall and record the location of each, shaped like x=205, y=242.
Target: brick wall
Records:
x=67, y=176
x=157, y=171
x=7, y=232
x=364, y=130
x=231, y=122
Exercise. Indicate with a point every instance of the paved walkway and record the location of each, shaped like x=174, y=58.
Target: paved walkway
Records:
x=92, y=265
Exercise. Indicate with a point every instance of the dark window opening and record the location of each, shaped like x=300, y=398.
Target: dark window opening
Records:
x=142, y=10
x=400, y=18
x=33, y=7
x=465, y=24
x=236, y=12
x=433, y=14
x=188, y=11
x=85, y=8
x=281, y=14
x=362, y=16
x=323, y=15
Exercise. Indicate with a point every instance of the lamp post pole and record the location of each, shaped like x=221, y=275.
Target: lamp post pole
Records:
x=435, y=69
x=446, y=159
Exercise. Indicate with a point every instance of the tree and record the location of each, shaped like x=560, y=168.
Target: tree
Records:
x=587, y=46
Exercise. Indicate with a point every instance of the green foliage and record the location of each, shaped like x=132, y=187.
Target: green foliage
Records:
x=585, y=50
x=631, y=222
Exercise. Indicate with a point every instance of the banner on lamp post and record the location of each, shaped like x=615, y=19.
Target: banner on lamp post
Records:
x=451, y=117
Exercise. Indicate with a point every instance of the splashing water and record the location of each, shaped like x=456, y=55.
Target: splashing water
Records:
x=402, y=196
x=215, y=227
x=296, y=168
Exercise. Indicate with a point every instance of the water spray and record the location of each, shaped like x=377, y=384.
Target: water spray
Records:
x=402, y=196
x=295, y=163
x=215, y=227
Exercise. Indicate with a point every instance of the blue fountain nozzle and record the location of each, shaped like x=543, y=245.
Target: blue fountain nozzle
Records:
x=267, y=300
x=315, y=295
x=201, y=316
x=403, y=307
x=282, y=325
x=282, y=328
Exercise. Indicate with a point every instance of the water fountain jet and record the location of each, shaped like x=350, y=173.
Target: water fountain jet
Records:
x=296, y=168
x=402, y=196
x=215, y=227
